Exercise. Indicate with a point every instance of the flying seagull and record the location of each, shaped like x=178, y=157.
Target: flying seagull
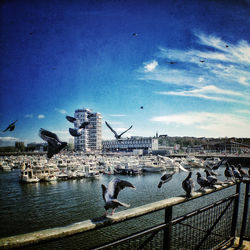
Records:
x=211, y=170
x=188, y=185
x=54, y=144
x=111, y=192
x=11, y=127
x=89, y=114
x=118, y=137
x=78, y=131
x=165, y=178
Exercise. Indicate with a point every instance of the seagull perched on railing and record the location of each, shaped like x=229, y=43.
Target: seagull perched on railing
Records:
x=242, y=172
x=202, y=181
x=111, y=192
x=188, y=185
x=11, y=127
x=54, y=144
x=236, y=173
x=118, y=137
x=212, y=180
x=228, y=173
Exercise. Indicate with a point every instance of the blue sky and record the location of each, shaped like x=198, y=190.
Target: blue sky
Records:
x=58, y=56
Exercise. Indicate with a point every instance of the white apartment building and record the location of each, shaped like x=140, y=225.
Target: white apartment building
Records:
x=91, y=138
x=133, y=143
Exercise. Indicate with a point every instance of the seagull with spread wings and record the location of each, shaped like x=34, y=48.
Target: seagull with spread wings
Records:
x=54, y=144
x=111, y=192
x=118, y=137
x=11, y=127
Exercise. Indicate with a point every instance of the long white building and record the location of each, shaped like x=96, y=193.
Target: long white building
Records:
x=91, y=138
x=148, y=144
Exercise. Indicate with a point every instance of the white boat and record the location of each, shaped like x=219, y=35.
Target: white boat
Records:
x=4, y=166
x=152, y=165
x=109, y=170
x=27, y=175
x=62, y=175
x=91, y=172
x=50, y=178
x=152, y=169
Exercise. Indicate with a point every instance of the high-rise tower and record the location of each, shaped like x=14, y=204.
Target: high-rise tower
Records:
x=91, y=138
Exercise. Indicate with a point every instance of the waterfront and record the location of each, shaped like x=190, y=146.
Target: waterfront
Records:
x=30, y=207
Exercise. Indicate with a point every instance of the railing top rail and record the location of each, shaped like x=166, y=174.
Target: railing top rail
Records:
x=87, y=225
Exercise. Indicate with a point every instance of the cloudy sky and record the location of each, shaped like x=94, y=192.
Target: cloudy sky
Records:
x=186, y=62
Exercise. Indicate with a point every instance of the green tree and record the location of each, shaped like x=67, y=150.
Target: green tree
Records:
x=19, y=145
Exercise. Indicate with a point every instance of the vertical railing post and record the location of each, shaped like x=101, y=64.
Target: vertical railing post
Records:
x=168, y=229
x=235, y=211
x=244, y=217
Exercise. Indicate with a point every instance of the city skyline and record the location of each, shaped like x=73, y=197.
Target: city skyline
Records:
x=180, y=69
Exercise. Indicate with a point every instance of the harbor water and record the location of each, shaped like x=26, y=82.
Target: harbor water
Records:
x=30, y=207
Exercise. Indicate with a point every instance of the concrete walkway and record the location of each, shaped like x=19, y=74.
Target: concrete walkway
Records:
x=245, y=245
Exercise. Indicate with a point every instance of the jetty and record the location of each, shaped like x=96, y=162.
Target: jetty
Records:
x=211, y=227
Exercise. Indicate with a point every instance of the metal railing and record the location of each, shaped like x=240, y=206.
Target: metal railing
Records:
x=209, y=227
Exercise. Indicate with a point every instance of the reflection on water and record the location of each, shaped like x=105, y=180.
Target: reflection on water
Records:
x=30, y=207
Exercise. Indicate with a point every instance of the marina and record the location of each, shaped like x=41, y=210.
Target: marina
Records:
x=49, y=204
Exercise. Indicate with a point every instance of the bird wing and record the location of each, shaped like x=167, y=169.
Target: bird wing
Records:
x=71, y=119
x=186, y=186
x=13, y=123
x=49, y=137
x=111, y=129
x=104, y=190
x=84, y=124
x=202, y=181
x=181, y=167
x=125, y=131
x=215, y=167
x=116, y=185
x=167, y=177
x=54, y=149
x=75, y=132
x=6, y=129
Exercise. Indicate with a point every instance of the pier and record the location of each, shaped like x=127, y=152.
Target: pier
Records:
x=212, y=226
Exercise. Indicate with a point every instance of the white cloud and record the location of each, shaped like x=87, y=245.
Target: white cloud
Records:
x=41, y=116
x=221, y=74
x=200, y=79
x=62, y=111
x=244, y=111
x=243, y=81
x=218, y=124
x=117, y=115
x=210, y=92
x=149, y=67
x=8, y=139
x=29, y=116
x=61, y=132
